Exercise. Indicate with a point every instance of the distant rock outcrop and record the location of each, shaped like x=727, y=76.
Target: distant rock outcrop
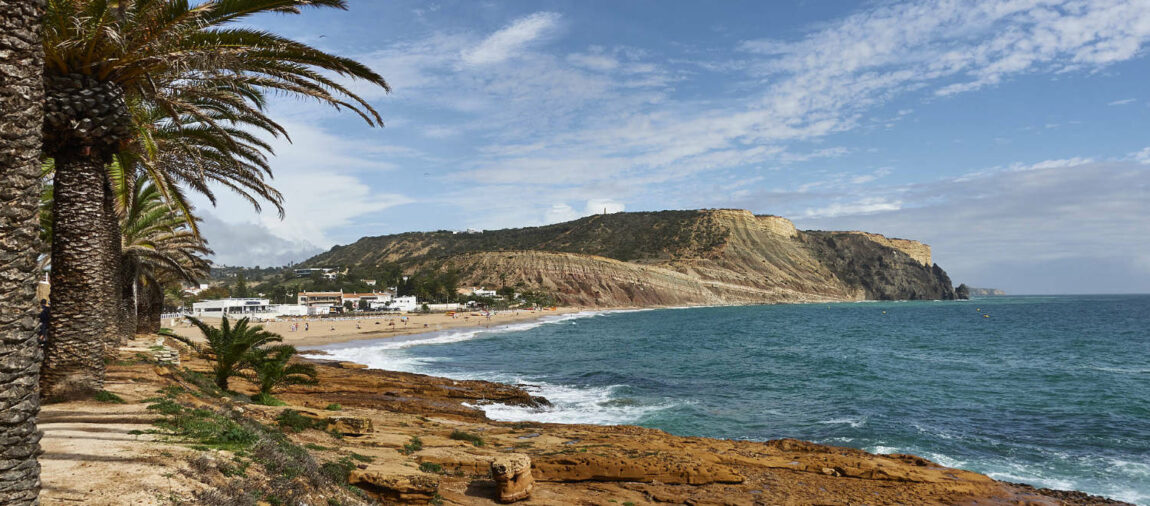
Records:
x=720, y=256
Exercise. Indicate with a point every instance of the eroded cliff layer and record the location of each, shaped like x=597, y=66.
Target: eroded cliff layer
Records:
x=668, y=258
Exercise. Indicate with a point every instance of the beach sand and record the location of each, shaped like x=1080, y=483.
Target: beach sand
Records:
x=342, y=329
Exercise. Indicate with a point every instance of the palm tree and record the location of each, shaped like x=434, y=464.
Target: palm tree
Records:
x=192, y=70
x=21, y=99
x=270, y=369
x=229, y=346
x=158, y=246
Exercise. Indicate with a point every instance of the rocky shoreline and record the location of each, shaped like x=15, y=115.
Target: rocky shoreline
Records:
x=416, y=439
x=590, y=464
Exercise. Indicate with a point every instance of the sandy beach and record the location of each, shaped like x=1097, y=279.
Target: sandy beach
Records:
x=321, y=331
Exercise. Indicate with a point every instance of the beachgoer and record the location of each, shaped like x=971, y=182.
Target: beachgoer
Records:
x=306, y=326
x=45, y=317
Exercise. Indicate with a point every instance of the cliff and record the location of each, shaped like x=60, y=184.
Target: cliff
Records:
x=667, y=258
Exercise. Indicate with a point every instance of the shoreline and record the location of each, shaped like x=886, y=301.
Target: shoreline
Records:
x=419, y=439
x=327, y=331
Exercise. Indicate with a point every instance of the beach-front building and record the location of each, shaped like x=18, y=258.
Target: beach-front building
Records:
x=230, y=306
x=407, y=303
x=369, y=298
x=320, y=299
x=483, y=292
x=241, y=307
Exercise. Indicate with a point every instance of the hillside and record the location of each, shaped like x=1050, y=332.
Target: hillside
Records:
x=666, y=258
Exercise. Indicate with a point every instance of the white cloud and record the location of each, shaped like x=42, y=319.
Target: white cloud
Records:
x=1122, y=102
x=250, y=244
x=593, y=61
x=1065, y=228
x=608, y=206
x=1052, y=164
x=322, y=179
x=1142, y=157
x=866, y=205
x=509, y=41
x=562, y=211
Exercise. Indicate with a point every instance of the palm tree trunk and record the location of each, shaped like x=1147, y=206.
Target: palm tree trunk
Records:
x=85, y=288
x=125, y=310
x=21, y=99
x=151, y=308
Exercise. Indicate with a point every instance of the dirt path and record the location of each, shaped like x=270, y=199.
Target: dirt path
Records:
x=100, y=454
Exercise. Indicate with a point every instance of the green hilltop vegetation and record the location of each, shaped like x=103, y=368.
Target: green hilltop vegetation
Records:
x=628, y=237
x=637, y=258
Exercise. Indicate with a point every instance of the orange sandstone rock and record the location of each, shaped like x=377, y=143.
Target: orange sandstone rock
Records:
x=513, y=479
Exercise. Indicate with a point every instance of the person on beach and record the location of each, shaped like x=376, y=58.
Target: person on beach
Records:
x=306, y=326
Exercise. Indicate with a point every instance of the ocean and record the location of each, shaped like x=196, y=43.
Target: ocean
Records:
x=1048, y=391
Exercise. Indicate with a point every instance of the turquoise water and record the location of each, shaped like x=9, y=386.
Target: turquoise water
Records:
x=1049, y=391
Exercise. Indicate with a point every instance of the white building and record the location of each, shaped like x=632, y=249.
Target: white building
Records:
x=406, y=304
x=239, y=308
x=233, y=306
x=481, y=292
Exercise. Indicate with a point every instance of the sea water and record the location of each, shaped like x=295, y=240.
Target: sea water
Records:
x=1048, y=391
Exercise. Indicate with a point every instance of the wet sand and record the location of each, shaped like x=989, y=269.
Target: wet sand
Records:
x=321, y=331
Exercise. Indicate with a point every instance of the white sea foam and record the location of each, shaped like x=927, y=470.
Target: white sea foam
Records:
x=570, y=404
x=854, y=422
x=882, y=450
x=1031, y=479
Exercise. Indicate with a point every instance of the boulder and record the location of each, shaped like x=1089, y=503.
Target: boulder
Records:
x=390, y=488
x=513, y=479
x=350, y=425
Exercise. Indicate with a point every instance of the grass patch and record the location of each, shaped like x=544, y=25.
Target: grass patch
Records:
x=292, y=420
x=338, y=471
x=318, y=448
x=206, y=386
x=413, y=446
x=361, y=458
x=166, y=407
x=474, y=439
x=334, y=407
x=267, y=400
x=430, y=467
x=108, y=397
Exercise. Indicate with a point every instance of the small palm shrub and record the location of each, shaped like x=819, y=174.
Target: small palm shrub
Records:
x=270, y=369
x=230, y=347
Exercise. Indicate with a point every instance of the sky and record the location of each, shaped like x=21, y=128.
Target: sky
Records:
x=1013, y=136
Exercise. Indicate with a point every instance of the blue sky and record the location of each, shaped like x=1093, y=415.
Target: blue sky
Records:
x=1011, y=136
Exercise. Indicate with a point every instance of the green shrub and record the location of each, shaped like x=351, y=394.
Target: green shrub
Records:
x=203, y=427
x=334, y=407
x=267, y=400
x=270, y=368
x=291, y=419
x=313, y=446
x=474, y=439
x=339, y=471
x=109, y=397
x=166, y=407
x=231, y=346
x=415, y=445
x=361, y=458
x=172, y=391
x=430, y=467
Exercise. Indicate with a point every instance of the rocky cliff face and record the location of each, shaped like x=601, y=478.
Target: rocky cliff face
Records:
x=669, y=258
